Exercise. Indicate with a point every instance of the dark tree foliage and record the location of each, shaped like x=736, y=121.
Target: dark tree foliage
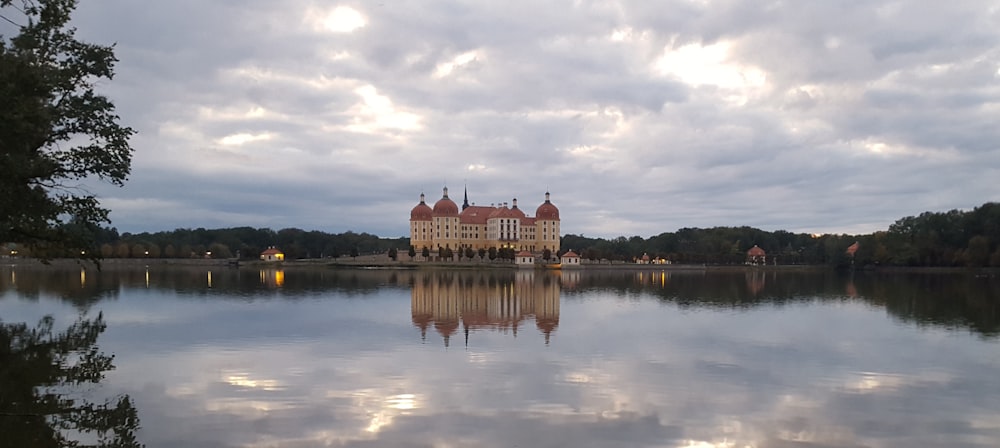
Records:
x=250, y=242
x=953, y=238
x=39, y=369
x=55, y=131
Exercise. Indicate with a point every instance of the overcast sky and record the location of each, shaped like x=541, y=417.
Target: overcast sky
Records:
x=639, y=117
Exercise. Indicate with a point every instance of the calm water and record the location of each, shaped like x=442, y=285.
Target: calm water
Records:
x=301, y=358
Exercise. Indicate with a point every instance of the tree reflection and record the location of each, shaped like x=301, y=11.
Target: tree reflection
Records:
x=41, y=372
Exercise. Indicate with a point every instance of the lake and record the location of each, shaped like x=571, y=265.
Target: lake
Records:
x=221, y=357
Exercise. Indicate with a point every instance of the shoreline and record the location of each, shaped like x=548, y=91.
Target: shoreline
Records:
x=370, y=263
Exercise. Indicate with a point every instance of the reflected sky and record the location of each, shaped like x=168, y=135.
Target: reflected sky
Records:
x=533, y=359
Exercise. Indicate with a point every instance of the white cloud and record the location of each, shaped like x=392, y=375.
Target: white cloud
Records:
x=698, y=104
x=242, y=138
x=376, y=112
x=341, y=19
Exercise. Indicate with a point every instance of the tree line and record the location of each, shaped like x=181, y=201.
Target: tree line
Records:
x=241, y=242
x=954, y=238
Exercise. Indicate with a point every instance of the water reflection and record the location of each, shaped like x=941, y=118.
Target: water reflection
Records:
x=484, y=300
x=950, y=300
x=318, y=357
x=272, y=278
x=42, y=398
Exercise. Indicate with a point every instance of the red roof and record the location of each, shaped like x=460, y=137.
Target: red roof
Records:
x=547, y=211
x=524, y=253
x=271, y=251
x=422, y=212
x=445, y=206
x=570, y=254
x=755, y=252
x=475, y=214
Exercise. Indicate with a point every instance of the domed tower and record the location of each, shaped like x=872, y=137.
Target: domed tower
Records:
x=447, y=228
x=547, y=225
x=421, y=225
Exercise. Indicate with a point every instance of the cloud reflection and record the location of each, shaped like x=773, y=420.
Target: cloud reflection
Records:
x=682, y=360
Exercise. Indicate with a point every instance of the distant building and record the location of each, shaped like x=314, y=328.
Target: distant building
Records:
x=272, y=254
x=525, y=259
x=483, y=227
x=756, y=256
x=570, y=259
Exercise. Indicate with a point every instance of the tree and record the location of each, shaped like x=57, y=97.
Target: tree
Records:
x=122, y=250
x=393, y=253
x=55, y=131
x=469, y=253
x=138, y=251
x=220, y=250
x=546, y=254
x=482, y=253
x=426, y=252
x=41, y=373
x=412, y=252
x=493, y=253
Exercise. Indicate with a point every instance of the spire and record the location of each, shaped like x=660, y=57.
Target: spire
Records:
x=445, y=195
x=421, y=197
x=465, y=204
x=546, y=196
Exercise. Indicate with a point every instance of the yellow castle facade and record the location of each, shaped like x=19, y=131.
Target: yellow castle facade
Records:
x=483, y=227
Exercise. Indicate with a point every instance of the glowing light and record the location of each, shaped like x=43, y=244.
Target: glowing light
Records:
x=402, y=401
x=463, y=59
x=247, y=382
x=242, y=138
x=341, y=20
x=697, y=65
x=377, y=112
x=621, y=35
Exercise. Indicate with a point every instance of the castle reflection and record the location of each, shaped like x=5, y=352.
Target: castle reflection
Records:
x=485, y=300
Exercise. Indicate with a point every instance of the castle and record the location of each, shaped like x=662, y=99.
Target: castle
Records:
x=483, y=227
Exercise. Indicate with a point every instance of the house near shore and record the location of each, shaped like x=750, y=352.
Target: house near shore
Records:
x=525, y=259
x=570, y=259
x=756, y=256
x=272, y=254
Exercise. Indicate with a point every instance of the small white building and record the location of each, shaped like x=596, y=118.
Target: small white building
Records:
x=570, y=259
x=272, y=254
x=525, y=259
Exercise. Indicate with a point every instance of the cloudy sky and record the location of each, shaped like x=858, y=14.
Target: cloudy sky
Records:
x=639, y=117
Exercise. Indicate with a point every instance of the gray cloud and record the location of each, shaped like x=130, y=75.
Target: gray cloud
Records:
x=639, y=118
